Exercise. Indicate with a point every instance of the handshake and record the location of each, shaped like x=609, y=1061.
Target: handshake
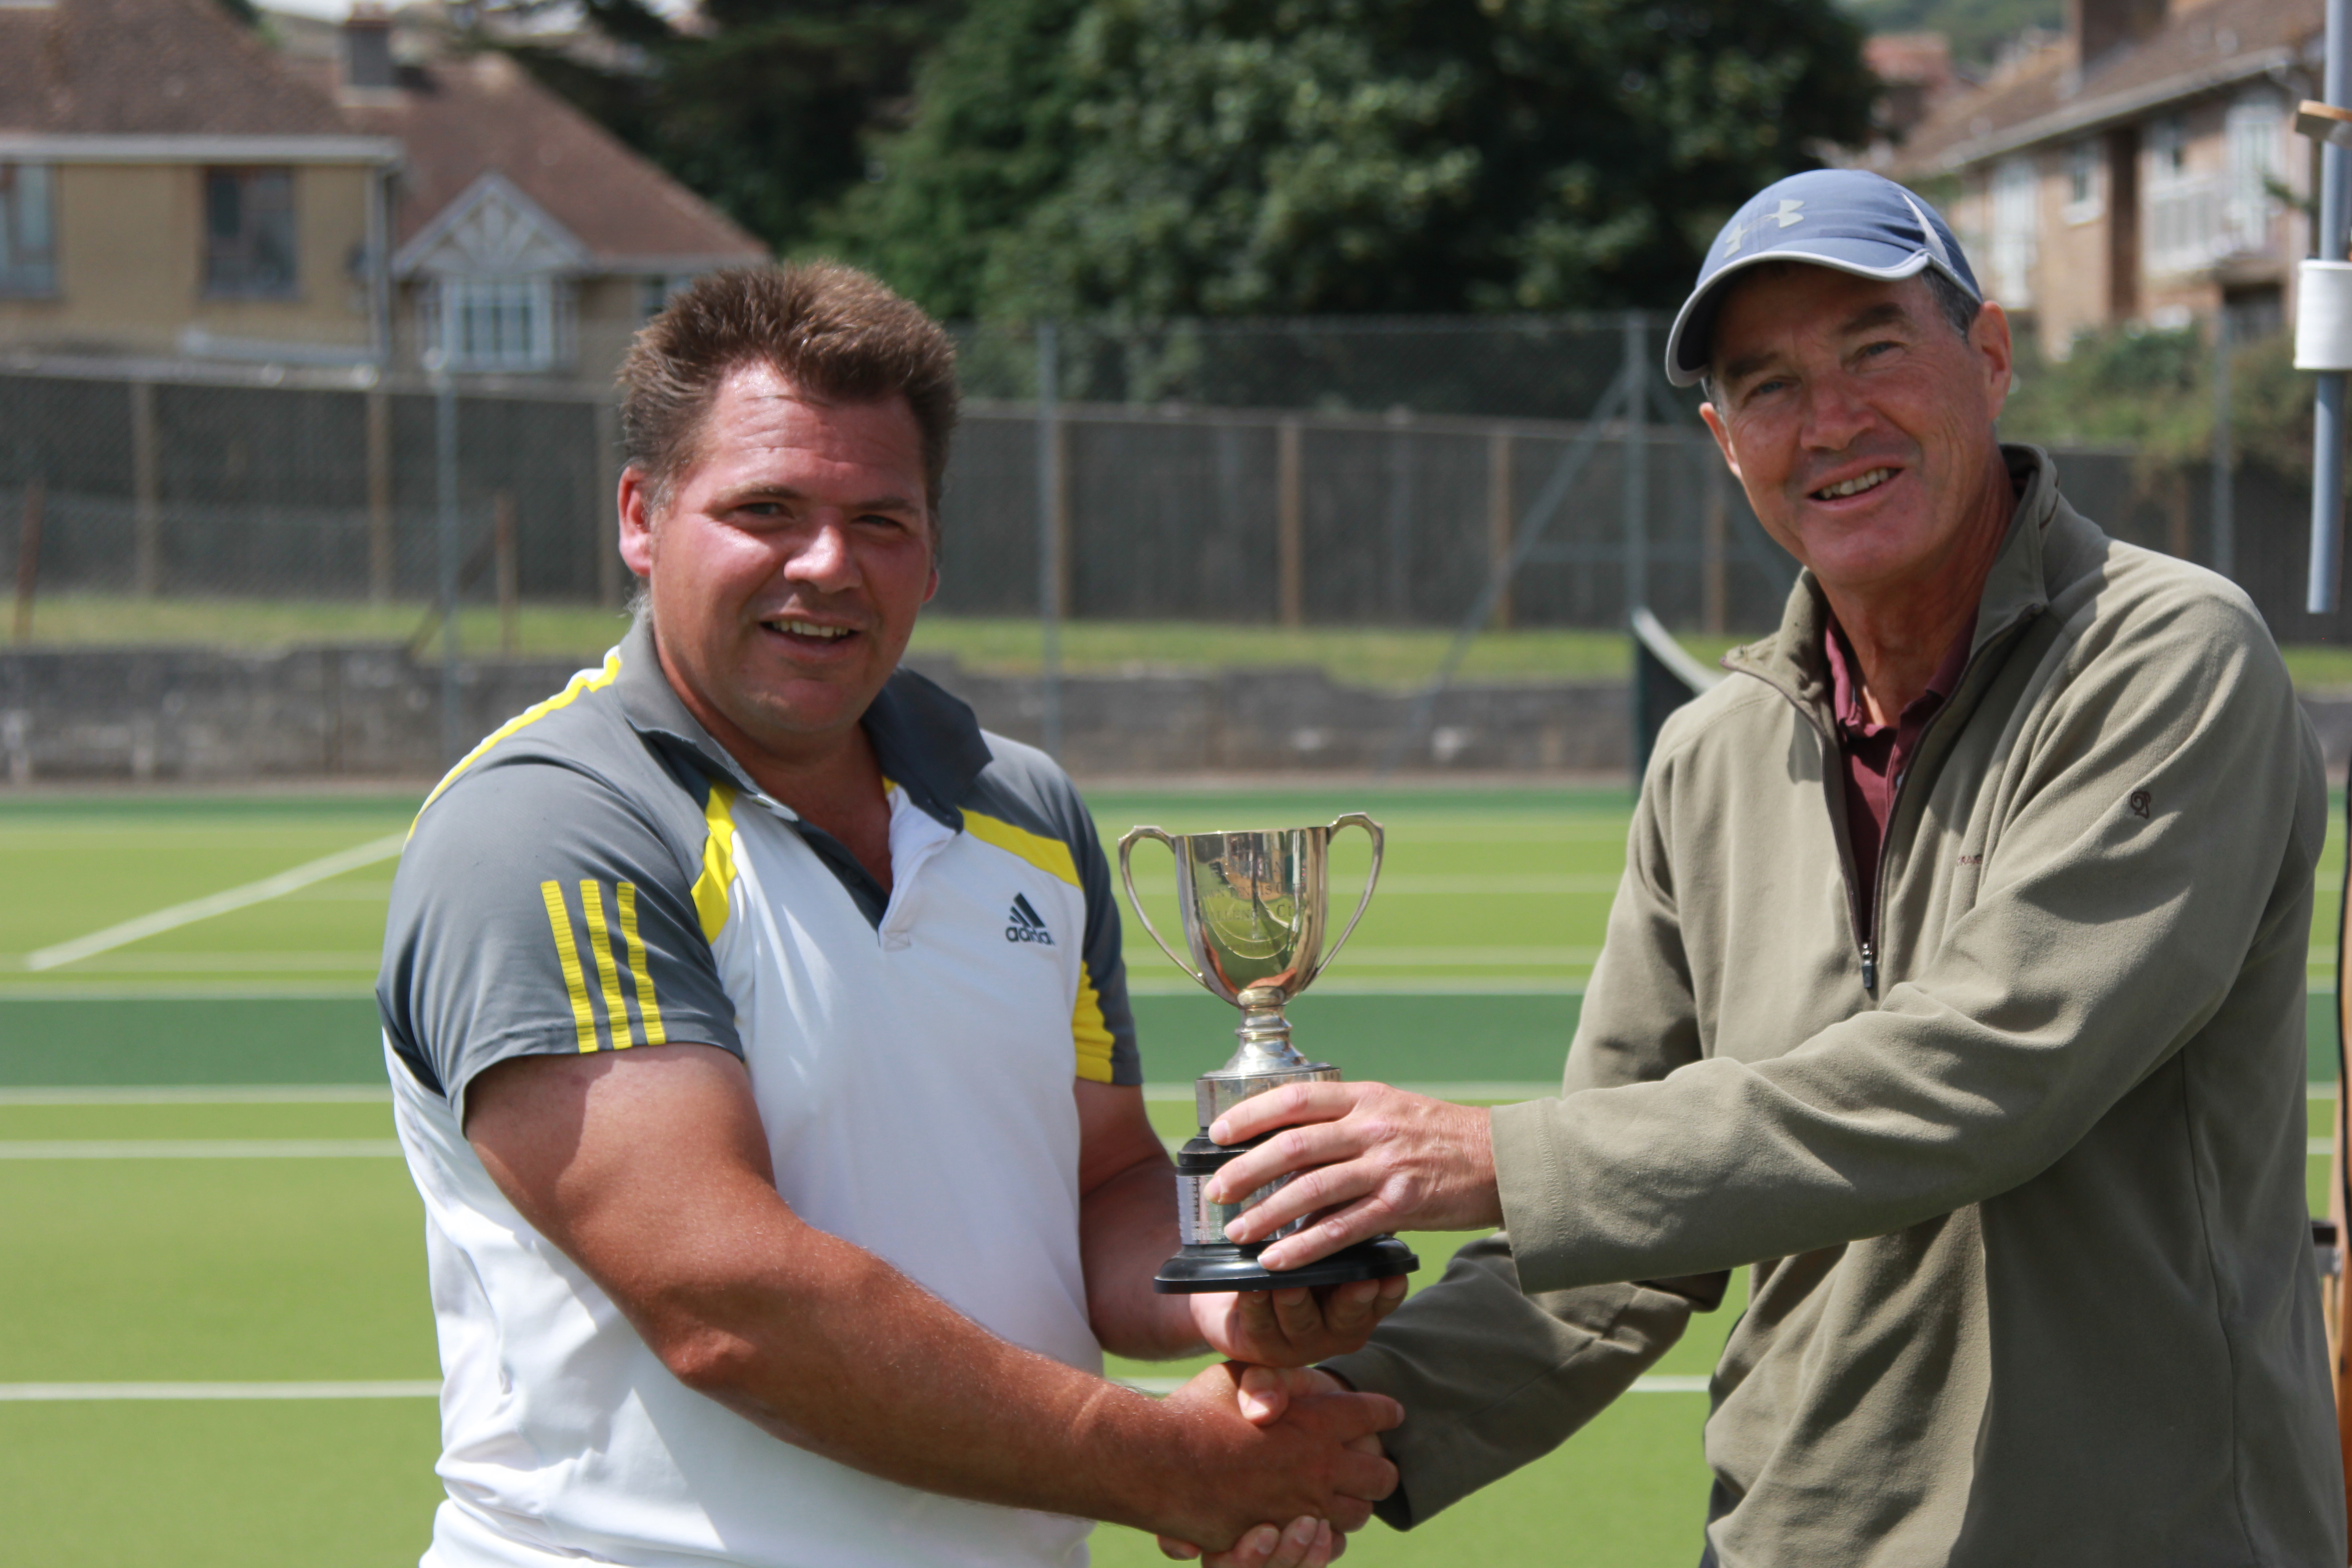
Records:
x=1363, y=1159
x=1302, y=1462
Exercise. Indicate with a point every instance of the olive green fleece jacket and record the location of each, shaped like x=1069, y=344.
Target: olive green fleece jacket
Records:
x=2032, y=1277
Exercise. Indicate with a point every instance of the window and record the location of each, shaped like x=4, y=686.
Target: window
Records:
x=2086, y=199
x=497, y=323
x=250, y=233
x=28, y=245
x=2016, y=220
x=655, y=291
x=2180, y=207
x=2167, y=151
x=2251, y=159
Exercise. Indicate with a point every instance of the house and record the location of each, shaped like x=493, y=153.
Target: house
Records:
x=167, y=189
x=172, y=187
x=1914, y=75
x=525, y=239
x=2143, y=167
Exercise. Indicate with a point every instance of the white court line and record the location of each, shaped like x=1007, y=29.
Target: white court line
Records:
x=1163, y=983
x=221, y=903
x=200, y=1149
x=207, y=1094
x=1411, y=884
x=1182, y=1093
x=1664, y=1383
x=354, y=961
x=75, y=1393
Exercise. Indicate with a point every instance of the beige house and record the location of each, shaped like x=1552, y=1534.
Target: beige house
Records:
x=173, y=188
x=167, y=189
x=525, y=239
x=2142, y=168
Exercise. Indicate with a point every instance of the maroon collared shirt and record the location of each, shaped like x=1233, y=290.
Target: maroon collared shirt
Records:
x=1876, y=754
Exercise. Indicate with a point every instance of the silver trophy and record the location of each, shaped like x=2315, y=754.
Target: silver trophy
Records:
x=1254, y=906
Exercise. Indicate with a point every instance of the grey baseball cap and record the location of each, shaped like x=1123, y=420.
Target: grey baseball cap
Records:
x=1855, y=222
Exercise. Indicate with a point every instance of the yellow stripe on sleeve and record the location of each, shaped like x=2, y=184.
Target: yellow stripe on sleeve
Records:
x=640, y=970
x=1088, y=1032
x=711, y=888
x=567, y=955
x=586, y=681
x=1048, y=855
x=608, y=977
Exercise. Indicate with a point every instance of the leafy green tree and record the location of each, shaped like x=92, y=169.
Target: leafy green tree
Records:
x=992, y=142
x=1298, y=156
x=2152, y=389
x=763, y=106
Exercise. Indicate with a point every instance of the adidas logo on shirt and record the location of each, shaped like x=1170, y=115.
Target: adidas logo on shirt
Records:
x=1021, y=922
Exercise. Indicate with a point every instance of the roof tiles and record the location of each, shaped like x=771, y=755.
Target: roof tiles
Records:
x=460, y=117
x=149, y=68
x=2210, y=42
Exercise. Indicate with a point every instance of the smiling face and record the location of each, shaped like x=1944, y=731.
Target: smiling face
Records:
x=787, y=568
x=1861, y=425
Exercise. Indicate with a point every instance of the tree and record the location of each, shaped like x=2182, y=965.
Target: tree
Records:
x=992, y=140
x=762, y=107
x=1299, y=156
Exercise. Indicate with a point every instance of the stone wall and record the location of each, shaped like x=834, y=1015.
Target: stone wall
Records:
x=199, y=715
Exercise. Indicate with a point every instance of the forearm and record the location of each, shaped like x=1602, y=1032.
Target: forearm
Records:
x=1491, y=1378
x=1127, y=1228
x=829, y=1348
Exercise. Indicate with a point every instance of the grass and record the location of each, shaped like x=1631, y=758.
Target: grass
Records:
x=1389, y=658
x=279, y=1269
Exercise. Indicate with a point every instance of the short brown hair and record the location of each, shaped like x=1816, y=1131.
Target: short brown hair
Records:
x=838, y=334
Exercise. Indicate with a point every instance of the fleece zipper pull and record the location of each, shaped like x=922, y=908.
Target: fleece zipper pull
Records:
x=1869, y=970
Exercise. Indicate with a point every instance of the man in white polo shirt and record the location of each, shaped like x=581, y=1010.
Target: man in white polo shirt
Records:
x=760, y=1048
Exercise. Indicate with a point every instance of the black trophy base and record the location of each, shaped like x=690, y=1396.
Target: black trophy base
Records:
x=1223, y=1266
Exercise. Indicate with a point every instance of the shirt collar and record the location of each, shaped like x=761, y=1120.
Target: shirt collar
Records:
x=1845, y=688
x=927, y=741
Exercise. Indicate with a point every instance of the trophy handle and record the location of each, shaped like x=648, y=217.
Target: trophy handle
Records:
x=1371, y=879
x=1127, y=874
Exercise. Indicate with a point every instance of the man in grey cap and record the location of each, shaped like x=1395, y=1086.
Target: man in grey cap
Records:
x=1956, y=984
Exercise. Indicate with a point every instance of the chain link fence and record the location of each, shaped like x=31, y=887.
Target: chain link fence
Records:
x=1317, y=472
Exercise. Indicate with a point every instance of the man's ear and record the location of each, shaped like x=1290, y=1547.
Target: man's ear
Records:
x=636, y=503
x=1990, y=341
x=1722, y=434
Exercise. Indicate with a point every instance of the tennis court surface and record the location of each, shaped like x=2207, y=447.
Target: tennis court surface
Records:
x=220, y=1350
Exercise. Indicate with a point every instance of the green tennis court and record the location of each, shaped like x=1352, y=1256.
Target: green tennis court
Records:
x=215, y=1290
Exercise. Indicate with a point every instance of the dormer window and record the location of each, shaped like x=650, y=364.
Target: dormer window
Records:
x=517, y=324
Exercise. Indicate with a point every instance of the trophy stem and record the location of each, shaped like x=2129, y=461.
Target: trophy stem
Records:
x=1264, y=1031
x=1266, y=1060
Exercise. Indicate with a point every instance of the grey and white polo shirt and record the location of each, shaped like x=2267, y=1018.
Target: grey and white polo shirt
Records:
x=599, y=874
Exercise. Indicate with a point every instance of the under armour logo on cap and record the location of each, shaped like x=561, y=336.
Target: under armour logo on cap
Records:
x=1791, y=212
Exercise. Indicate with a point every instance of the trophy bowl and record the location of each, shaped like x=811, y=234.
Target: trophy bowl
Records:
x=1255, y=907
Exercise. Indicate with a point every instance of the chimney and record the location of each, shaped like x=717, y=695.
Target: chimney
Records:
x=2102, y=26
x=367, y=48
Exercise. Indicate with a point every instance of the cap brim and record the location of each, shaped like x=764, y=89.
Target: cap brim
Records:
x=1695, y=322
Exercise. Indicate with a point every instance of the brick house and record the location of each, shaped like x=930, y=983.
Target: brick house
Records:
x=2144, y=167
